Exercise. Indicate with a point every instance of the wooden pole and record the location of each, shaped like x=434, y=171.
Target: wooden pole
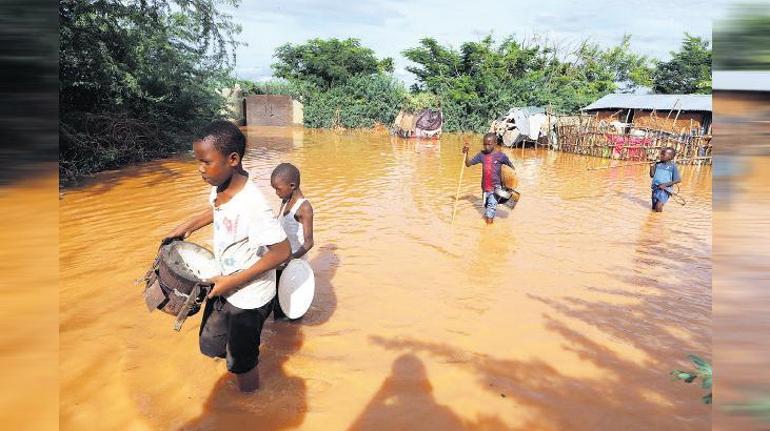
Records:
x=678, y=111
x=459, y=184
x=676, y=102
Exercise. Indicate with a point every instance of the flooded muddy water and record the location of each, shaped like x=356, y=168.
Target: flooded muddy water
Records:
x=742, y=297
x=568, y=313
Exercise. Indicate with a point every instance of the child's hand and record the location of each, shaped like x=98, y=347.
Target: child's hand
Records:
x=662, y=186
x=179, y=233
x=465, y=148
x=222, y=285
x=171, y=238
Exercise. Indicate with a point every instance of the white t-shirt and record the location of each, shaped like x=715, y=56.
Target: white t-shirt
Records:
x=243, y=227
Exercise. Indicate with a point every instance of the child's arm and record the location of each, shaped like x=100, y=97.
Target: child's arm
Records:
x=185, y=229
x=675, y=177
x=473, y=161
x=305, y=216
x=276, y=255
x=653, y=167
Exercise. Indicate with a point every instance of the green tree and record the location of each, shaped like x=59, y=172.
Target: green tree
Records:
x=742, y=41
x=327, y=62
x=136, y=78
x=362, y=101
x=688, y=71
x=340, y=82
x=482, y=80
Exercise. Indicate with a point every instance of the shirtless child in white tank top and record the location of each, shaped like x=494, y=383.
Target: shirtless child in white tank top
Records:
x=295, y=216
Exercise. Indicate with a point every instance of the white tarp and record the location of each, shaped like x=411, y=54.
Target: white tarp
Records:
x=529, y=125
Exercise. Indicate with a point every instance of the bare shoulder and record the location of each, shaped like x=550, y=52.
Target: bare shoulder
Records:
x=305, y=209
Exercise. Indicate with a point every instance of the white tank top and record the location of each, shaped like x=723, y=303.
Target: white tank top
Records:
x=293, y=228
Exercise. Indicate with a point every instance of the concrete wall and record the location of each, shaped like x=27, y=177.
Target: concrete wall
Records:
x=270, y=110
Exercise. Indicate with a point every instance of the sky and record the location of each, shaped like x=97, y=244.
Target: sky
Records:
x=390, y=26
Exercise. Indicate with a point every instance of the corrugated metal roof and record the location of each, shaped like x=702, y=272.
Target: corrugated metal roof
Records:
x=658, y=102
x=741, y=80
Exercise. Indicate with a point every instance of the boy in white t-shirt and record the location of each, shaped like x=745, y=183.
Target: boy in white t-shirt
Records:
x=248, y=243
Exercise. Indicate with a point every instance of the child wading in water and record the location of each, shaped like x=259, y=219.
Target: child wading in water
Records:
x=295, y=216
x=664, y=174
x=240, y=300
x=492, y=162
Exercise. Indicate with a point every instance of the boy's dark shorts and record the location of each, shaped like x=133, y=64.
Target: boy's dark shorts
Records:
x=659, y=195
x=232, y=333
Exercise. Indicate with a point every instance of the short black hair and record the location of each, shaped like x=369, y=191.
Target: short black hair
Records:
x=286, y=172
x=491, y=135
x=226, y=137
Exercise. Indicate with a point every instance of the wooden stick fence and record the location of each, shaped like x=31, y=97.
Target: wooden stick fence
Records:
x=588, y=136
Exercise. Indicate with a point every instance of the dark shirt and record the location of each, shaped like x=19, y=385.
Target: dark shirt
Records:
x=491, y=167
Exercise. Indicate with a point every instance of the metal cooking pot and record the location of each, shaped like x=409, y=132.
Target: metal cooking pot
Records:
x=181, y=268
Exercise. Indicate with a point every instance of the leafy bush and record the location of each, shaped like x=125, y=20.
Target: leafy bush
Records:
x=362, y=101
x=136, y=79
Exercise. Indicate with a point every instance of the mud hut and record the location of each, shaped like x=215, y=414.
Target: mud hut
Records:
x=742, y=105
x=741, y=93
x=671, y=112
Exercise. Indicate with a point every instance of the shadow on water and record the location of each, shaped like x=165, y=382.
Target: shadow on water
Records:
x=617, y=401
x=405, y=401
x=325, y=265
x=281, y=402
x=661, y=320
x=634, y=198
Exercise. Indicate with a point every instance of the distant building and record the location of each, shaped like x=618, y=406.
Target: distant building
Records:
x=272, y=110
x=742, y=108
x=672, y=112
x=741, y=93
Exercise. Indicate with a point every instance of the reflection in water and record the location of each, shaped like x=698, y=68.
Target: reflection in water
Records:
x=579, y=295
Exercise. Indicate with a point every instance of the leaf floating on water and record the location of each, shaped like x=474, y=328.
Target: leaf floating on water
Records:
x=684, y=375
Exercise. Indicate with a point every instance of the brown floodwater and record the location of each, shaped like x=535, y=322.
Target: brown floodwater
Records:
x=742, y=297
x=568, y=313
